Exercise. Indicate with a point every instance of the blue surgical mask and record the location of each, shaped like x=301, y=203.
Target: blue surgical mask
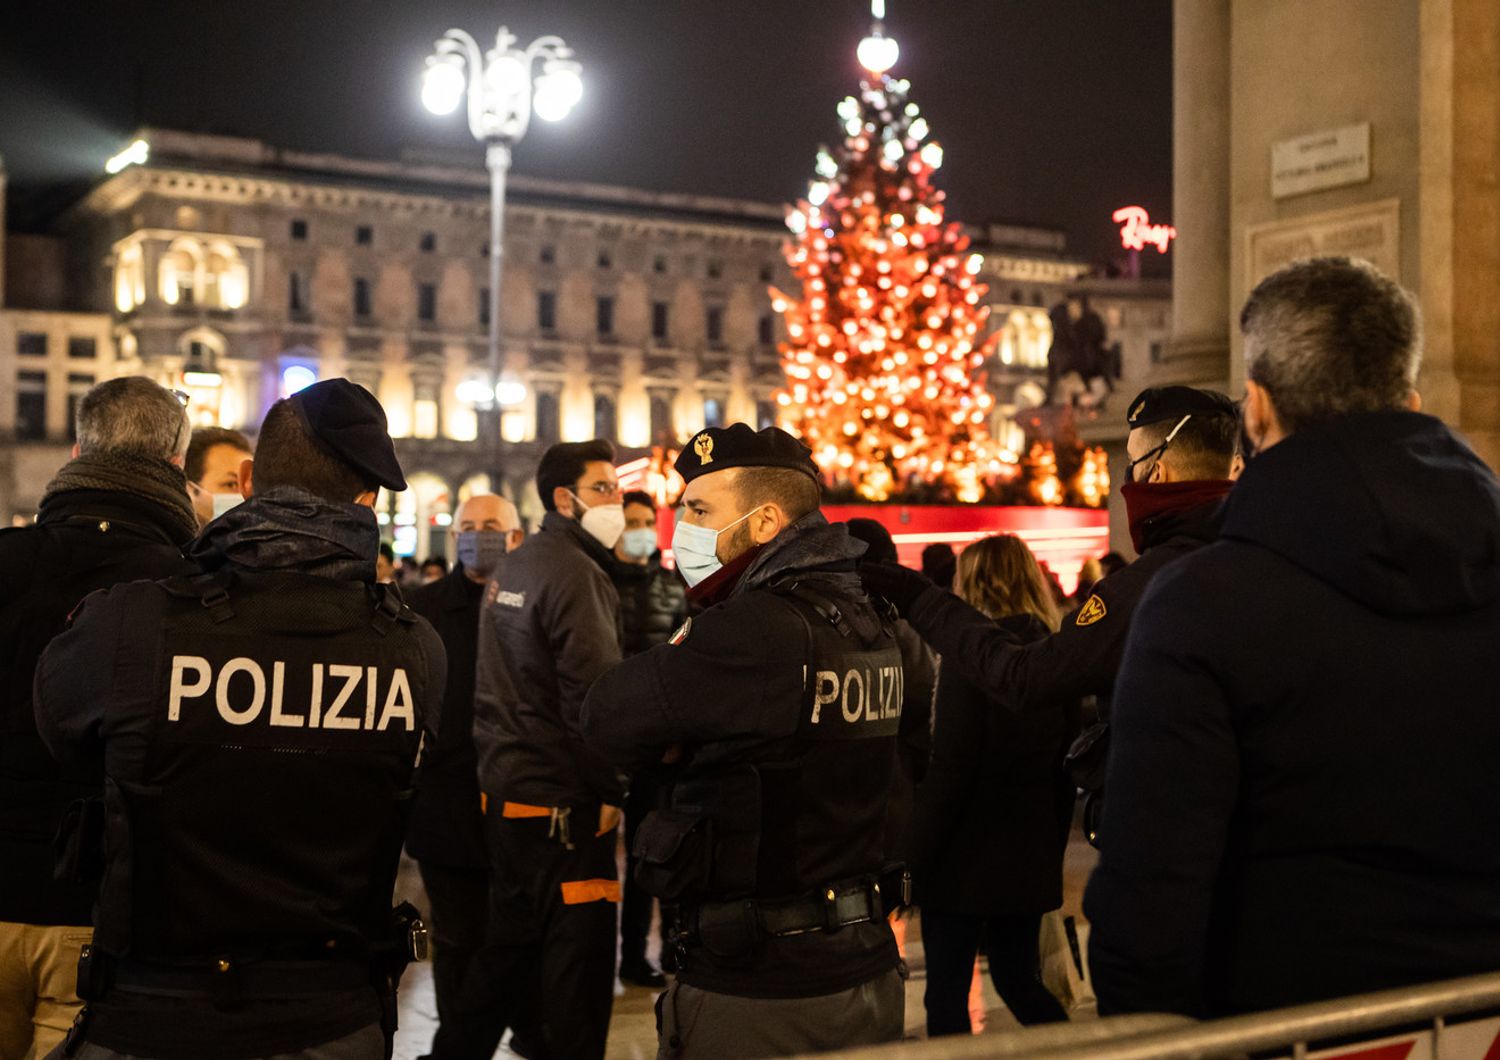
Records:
x=696, y=549
x=639, y=543
x=225, y=501
x=480, y=550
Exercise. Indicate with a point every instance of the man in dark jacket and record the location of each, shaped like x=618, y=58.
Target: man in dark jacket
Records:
x=1181, y=446
x=119, y=510
x=782, y=699
x=446, y=831
x=259, y=724
x=549, y=626
x=652, y=605
x=1303, y=792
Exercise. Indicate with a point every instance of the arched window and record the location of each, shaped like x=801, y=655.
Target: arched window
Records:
x=130, y=278
x=606, y=417
x=227, y=277
x=181, y=273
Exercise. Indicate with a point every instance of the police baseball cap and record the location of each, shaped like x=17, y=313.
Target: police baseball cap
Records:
x=346, y=420
x=1158, y=403
x=718, y=448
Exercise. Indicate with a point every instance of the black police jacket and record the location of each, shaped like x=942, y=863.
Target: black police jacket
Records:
x=82, y=540
x=446, y=823
x=1304, y=796
x=788, y=730
x=259, y=727
x=549, y=625
x=1083, y=657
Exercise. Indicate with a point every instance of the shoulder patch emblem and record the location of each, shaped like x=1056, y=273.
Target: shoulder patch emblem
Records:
x=1091, y=612
x=682, y=633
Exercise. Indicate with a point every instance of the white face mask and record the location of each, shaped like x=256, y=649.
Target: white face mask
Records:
x=225, y=501
x=603, y=522
x=696, y=549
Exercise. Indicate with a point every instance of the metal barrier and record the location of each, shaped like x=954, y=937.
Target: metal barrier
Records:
x=1423, y=1016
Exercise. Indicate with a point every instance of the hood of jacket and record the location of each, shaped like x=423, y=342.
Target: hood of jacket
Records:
x=288, y=530
x=1392, y=509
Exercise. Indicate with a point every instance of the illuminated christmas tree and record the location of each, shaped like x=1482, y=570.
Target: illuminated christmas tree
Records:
x=882, y=354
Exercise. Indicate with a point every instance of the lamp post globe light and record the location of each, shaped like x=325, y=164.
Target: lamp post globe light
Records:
x=502, y=87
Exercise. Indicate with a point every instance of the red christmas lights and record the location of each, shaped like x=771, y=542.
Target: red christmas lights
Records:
x=884, y=345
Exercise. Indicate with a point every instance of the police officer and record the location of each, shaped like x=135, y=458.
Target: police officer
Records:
x=259, y=724
x=1182, y=462
x=782, y=699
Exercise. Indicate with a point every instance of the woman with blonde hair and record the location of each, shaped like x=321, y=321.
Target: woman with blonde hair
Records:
x=992, y=816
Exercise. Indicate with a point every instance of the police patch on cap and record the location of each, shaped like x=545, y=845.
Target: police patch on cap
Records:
x=717, y=448
x=1159, y=403
x=346, y=420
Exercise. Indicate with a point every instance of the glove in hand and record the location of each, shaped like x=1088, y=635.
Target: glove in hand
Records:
x=900, y=585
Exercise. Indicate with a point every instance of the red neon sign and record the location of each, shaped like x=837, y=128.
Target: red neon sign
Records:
x=1136, y=230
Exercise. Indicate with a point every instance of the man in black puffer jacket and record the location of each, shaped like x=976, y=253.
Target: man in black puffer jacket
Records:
x=119, y=510
x=1303, y=792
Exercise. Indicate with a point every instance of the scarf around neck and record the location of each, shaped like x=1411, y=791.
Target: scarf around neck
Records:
x=149, y=478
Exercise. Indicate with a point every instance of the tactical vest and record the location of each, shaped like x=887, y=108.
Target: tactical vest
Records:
x=801, y=813
x=282, y=737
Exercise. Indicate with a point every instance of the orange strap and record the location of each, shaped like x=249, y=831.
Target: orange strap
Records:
x=580, y=892
x=521, y=809
x=484, y=804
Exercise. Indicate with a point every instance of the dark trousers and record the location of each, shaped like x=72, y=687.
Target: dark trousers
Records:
x=458, y=900
x=951, y=941
x=646, y=794
x=547, y=967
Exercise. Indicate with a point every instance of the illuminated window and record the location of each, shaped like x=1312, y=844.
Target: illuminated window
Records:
x=180, y=272
x=713, y=412
x=295, y=377
x=130, y=278
x=425, y=411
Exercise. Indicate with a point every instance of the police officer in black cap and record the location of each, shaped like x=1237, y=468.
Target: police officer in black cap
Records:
x=1182, y=463
x=259, y=725
x=783, y=699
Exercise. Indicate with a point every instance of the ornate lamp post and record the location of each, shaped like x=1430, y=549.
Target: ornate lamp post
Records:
x=502, y=87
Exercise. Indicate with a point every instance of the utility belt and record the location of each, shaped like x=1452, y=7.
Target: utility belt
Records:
x=228, y=980
x=559, y=819
x=735, y=929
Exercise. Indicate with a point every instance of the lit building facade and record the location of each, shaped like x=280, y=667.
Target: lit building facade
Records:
x=238, y=272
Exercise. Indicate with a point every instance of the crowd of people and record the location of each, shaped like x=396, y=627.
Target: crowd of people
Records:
x=223, y=723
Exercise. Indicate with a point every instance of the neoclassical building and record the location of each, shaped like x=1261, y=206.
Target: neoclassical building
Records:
x=238, y=272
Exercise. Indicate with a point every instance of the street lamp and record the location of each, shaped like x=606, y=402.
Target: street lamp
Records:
x=502, y=88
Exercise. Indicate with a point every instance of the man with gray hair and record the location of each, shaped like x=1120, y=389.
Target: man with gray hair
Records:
x=1303, y=792
x=119, y=510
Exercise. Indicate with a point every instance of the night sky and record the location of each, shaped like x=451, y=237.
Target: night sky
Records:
x=1051, y=112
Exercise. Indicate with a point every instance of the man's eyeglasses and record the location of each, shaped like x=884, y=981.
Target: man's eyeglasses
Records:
x=603, y=489
x=1156, y=453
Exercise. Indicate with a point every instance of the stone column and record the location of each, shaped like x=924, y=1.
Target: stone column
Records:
x=1460, y=217
x=1201, y=313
